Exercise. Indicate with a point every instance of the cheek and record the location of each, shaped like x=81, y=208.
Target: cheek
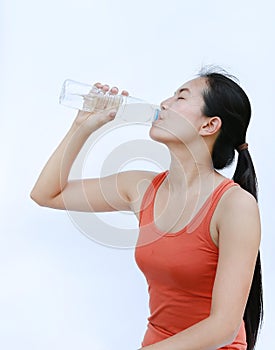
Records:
x=181, y=123
x=180, y=130
x=185, y=123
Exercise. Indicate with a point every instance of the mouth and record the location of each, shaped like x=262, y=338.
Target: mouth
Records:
x=157, y=122
x=158, y=117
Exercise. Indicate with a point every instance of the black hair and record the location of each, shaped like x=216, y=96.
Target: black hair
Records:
x=224, y=97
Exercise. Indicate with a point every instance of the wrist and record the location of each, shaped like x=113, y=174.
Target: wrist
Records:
x=81, y=130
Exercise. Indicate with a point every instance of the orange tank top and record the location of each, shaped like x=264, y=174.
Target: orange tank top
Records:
x=179, y=267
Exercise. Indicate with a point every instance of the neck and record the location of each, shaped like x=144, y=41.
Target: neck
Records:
x=189, y=168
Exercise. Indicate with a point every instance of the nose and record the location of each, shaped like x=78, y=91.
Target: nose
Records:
x=165, y=104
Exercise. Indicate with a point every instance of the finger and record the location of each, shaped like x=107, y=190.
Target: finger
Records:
x=125, y=93
x=114, y=90
x=112, y=113
x=98, y=85
x=105, y=88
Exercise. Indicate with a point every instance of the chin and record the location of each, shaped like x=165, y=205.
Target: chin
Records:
x=158, y=134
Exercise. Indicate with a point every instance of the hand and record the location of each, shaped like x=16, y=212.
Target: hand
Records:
x=94, y=120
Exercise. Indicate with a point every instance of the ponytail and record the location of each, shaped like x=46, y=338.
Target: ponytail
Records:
x=245, y=176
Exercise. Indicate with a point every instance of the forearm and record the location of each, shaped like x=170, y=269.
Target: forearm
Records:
x=54, y=176
x=209, y=334
x=55, y=173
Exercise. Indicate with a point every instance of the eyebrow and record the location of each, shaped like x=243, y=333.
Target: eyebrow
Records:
x=181, y=90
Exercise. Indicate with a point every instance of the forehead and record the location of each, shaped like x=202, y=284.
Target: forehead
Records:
x=195, y=86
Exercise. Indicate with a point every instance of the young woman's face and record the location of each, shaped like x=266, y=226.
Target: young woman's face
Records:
x=181, y=115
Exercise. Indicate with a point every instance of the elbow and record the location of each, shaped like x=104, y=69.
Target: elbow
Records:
x=38, y=199
x=228, y=333
x=229, y=337
x=233, y=332
x=46, y=201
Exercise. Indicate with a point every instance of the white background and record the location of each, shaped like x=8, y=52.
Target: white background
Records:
x=60, y=289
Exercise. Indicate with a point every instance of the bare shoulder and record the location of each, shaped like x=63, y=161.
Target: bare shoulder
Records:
x=139, y=173
x=135, y=184
x=237, y=212
x=238, y=200
x=136, y=181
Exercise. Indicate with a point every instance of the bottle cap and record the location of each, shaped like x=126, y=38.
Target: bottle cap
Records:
x=156, y=114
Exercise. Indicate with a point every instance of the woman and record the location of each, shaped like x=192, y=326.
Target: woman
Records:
x=199, y=231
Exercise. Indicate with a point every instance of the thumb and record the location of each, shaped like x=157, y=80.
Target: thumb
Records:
x=112, y=113
x=105, y=116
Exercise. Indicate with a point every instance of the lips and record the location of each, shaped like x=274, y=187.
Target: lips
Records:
x=160, y=116
x=157, y=122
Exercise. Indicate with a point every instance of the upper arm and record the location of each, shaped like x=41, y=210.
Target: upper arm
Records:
x=109, y=193
x=238, y=225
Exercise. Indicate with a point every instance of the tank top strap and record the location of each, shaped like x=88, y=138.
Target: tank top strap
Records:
x=218, y=193
x=205, y=214
x=149, y=195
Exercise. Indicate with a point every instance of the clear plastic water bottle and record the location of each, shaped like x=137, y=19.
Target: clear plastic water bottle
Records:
x=89, y=98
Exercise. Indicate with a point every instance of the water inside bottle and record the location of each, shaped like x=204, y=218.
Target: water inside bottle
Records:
x=96, y=101
x=129, y=109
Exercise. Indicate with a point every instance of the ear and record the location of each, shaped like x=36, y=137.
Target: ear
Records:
x=210, y=126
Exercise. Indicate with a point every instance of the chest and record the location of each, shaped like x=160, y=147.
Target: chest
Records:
x=183, y=261
x=174, y=213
